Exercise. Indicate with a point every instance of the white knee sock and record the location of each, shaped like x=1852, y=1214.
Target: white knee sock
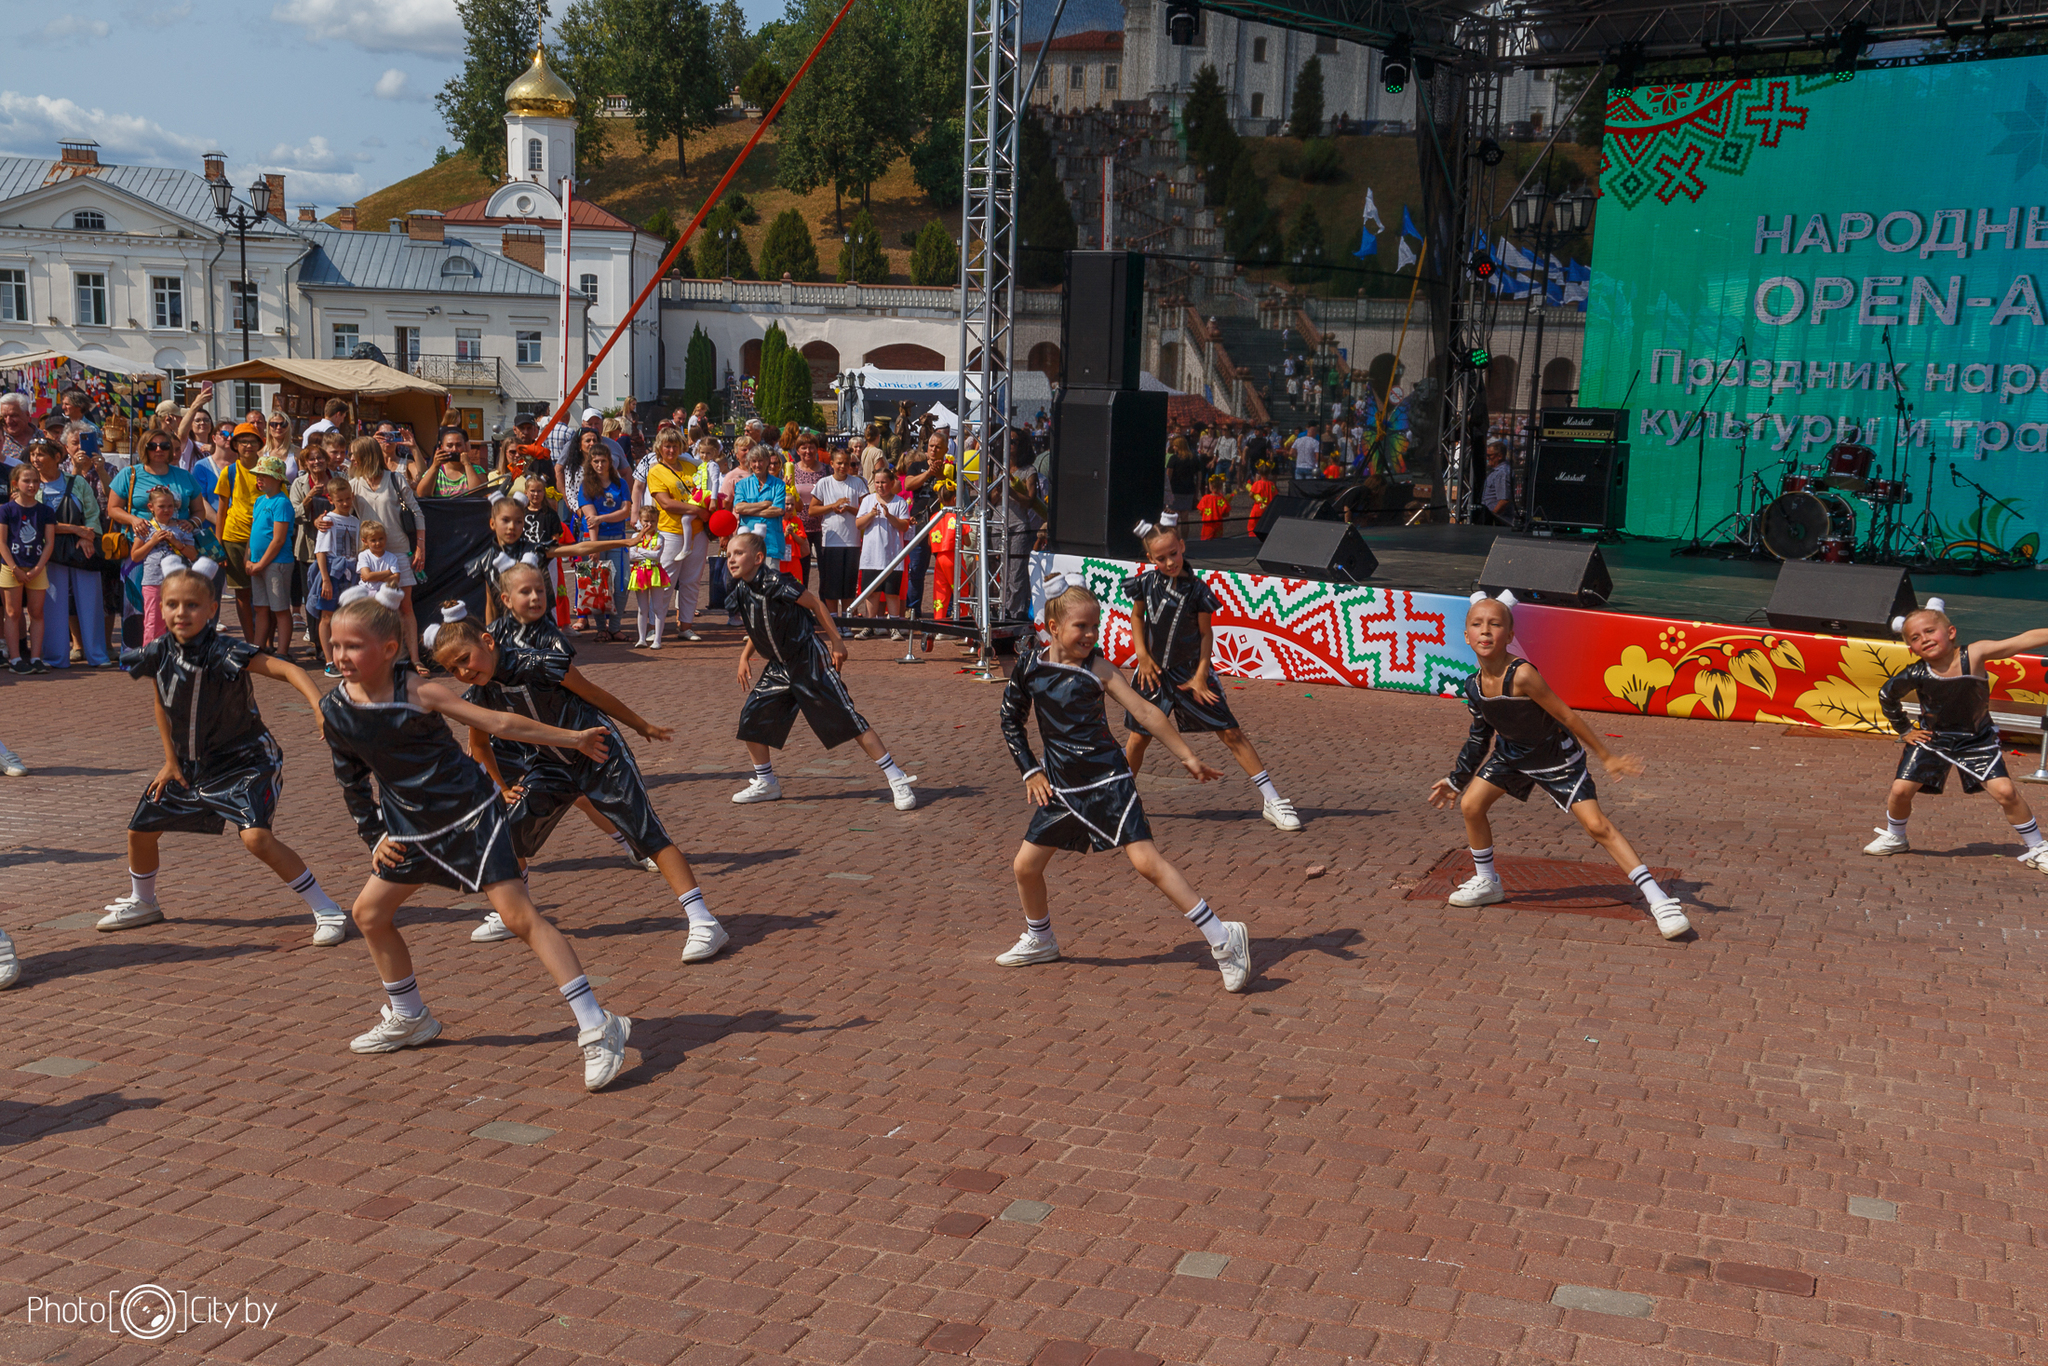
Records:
x=694, y=907
x=405, y=998
x=582, y=999
x=308, y=888
x=887, y=763
x=1482, y=864
x=142, y=886
x=1647, y=885
x=1206, y=920
x=2029, y=832
x=1264, y=782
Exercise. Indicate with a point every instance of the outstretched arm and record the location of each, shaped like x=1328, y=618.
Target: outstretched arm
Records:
x=2025, y=643
x=270, y=666
x=1531, y=685
x=1155, y=721
x=437, y=698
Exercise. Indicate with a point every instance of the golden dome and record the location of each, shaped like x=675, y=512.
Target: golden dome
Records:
x=540, y=91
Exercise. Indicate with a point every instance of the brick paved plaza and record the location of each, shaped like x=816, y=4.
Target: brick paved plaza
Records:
x=1814, y=1134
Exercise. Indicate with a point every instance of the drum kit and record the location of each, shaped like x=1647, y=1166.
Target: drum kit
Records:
x=1813, y=513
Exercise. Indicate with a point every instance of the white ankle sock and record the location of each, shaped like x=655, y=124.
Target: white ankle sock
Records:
x=765, y=773
x=142, y=886
x=1894, y=826
x=887, y=763
x=1482, y=864
x=2030, y=832
x=405, y=998
x=1647, y=885
x=582, y=999
x=1040, y=929
x=694, y=907
x=308, y=888
x=1206, y=920
x=1264, y=783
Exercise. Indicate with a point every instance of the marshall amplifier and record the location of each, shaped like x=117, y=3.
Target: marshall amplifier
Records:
x=1578, y=486
x=1583, y=424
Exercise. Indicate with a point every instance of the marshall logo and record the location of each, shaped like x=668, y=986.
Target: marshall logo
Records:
x=1562, y=478
x=1583, y=424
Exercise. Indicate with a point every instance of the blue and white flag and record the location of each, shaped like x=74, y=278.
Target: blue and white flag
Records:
x=1404, y=257
x=1368, y=240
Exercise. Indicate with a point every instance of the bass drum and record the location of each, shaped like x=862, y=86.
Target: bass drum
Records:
x=1797, y=525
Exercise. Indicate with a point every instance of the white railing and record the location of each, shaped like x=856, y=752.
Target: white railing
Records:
x=787, y=294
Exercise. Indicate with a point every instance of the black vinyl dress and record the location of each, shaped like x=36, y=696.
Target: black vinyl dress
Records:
x=798, y=675
x=1530, y=749
x=1172, y=610
x=483, y=567
x=1956, y=710
x=528, y=682
x=430, y=798
x=233, y=769
x=1094, y=796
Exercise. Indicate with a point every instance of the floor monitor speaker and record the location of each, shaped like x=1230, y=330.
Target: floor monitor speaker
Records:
x=1537, y=569
x=1840, y=599
x=1302, y=548
x=1106, y=471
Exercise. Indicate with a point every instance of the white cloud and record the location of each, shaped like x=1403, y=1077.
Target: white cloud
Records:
x=31, y=125
x=395, y=84
x=373, y=141
x=159, y=16
x=67, y=28
x=312, y=187
x=427, y=27
x=315, y=155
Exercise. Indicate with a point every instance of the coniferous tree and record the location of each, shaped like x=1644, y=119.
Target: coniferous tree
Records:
x=768, y=383
x=935, y=259
x=1205, y=120
x=498, y=42
x=761, y=85
x=1249, y=232
x=1045, y=221
x=794, y=385
x=1306, y=120
x=721, y=249
x=788, y=249
x=699, y=361
x=861, y=258
x=1306, y=252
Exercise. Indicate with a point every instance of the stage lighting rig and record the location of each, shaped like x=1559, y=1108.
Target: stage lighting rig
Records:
x=1628, y=60
x=1475, y=358
x=1482, y=266
x=1850, y=44
x=1490, y=152
x=1394, y=68
x=1183, y=21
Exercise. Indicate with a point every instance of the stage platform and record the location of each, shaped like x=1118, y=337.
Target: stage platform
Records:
x=1650, y=580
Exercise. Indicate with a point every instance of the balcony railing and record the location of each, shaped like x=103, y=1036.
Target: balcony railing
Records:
x=452, y=372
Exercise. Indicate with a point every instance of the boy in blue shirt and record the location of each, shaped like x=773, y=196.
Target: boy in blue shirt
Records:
x=270, y=558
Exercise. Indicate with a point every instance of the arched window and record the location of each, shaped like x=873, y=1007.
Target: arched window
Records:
x=89, y=220
x=1501, y=395
x=1560, y=383
x=458, y=265
x=823, y=358
x=904, y=356
x=750, y=358
x=1045, y=358
x=535, y=155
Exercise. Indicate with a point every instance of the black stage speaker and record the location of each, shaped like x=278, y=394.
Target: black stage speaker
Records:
x=1560, y=573
x=1106, y=471
x=1283, y=505
x=1578, y=486
x=1102, y=320
x=1303, y=549
x=1840, y=599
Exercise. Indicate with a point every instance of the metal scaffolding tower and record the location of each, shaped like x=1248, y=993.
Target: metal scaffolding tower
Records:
x=1474, y=303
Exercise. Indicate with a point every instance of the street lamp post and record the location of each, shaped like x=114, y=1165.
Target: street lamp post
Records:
x=1547, y=222
x=241, y=220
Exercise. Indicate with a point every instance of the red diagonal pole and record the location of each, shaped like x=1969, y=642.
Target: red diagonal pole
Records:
x=540, y=443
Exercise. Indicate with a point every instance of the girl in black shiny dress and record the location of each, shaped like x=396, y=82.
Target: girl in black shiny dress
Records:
x=1086, y=795
x=434, y=817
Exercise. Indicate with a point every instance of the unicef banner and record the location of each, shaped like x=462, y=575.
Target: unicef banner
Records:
x=1821, y=247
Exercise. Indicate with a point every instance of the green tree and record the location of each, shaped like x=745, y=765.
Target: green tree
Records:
x=699, y=364
x=762, y=85
x=938, y=44
x=1308, y=255
x=1306, y=120
x=1045, y=221
x=1249, y=231
x=722, y=249
x=788, y=249
x=935, y=162
x=1205, y=122
x=794, y=403
x=663, y=64
x=935, y=260
x=735, y=48
x=585, y=39
x=848, y=121
x=768, y=382
x=861, y=258
x=498, y=41
x=662, y=223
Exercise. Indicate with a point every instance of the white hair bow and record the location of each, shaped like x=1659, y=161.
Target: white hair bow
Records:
x=451, y=612
x=1505, y=598
x=1933, y=605
x=1167, y=521
x=205, y=568
x=519, y=497
x=389, y=595
x=503, y=562
x=1055, y=584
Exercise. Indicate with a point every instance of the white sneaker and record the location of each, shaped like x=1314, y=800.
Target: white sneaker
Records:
x=10, y=966
x=1671, y=921
x=1234, y=955
x=492, y=931
x=395, y=1031
x=125, y=913
x=1280, y=814
x=329, y=930
x=654, y=645
x=906, y=800
x=1478, y=890
x=704, y=942
x=759, y=790
x=641, y=643
x=11, y=764
x=649, y=864
x=1030, y=948
x=2036, y=858
x=1887, y=843
x=604, y=1050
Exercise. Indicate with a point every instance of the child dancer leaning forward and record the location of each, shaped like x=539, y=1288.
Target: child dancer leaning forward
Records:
x=1955, y=729
x=220, y=762
x=784, y=621
x=435, y=817
x=1085, y=792
x=1172, y=611
x=504, y=675
x=1537, y=741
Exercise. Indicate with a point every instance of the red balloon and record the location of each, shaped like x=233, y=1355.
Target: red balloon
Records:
x=723, y=523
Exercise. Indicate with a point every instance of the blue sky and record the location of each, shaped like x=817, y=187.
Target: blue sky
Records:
x=337, y=94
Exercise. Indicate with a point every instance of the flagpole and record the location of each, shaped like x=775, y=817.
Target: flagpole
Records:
x=1379, y=424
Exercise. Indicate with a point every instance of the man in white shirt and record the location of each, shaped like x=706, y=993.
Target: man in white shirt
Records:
x=335, y=421
x=1308, y=450
x=836, y=497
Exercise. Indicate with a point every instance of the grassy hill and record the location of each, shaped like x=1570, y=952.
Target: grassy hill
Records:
x=633, y=184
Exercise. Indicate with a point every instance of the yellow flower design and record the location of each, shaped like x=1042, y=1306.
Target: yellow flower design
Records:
x=1754, y=667
x=1717, y=690
x=1785, y=654
x=1672, y=640
x=1637, y=677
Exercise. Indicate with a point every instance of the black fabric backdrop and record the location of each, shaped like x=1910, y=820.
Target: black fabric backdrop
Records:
x=457, y=530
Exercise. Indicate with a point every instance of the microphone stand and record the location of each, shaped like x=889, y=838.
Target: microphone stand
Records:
x=1956, y=476
x=1699, y=472
x=1924, y=527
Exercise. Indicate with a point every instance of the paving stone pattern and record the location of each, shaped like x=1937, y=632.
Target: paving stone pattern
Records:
x=1419, y=1126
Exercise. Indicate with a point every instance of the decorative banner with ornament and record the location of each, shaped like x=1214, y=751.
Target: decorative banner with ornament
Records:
x=1370, y=636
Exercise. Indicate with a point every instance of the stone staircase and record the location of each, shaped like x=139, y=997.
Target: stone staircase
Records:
x=1253, y=348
